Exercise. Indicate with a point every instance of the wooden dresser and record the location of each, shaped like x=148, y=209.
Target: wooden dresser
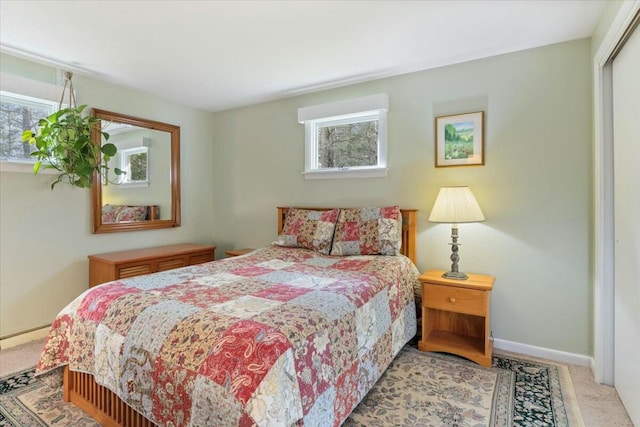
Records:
x=118, y=265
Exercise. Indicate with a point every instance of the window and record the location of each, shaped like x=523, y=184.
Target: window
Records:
x=346, y=139
x=134, y=162
x=19, y=113
x=22, y=103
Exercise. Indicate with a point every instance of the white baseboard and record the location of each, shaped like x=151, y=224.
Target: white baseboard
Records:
x=24, y=338
x=544, y=353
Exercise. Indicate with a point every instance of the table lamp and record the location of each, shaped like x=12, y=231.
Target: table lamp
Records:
x=455, y=205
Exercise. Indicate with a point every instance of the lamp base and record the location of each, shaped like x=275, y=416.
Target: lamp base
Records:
x=455, y=275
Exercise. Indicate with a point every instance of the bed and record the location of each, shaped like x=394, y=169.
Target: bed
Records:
x=291, y=334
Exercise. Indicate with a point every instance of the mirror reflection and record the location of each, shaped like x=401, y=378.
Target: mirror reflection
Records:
x=144, y=155
x=147, y=194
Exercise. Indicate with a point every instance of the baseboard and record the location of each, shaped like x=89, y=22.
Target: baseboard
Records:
x=544, y=353
x=24, y=338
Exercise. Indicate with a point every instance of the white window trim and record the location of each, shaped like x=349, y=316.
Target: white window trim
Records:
x=23, y=166
x=21, y=86
x=377, y=105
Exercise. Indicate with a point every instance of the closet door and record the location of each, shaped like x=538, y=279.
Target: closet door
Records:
x=626, y=157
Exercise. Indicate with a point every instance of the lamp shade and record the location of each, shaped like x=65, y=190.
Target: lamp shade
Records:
x=456, y=205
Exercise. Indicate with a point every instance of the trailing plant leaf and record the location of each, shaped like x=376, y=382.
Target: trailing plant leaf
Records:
x=109, y=149
x=63, y=142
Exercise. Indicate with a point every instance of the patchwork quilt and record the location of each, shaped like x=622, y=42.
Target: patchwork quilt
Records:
x=279, y=337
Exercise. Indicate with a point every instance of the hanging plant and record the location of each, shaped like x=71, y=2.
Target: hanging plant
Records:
x=63, y=142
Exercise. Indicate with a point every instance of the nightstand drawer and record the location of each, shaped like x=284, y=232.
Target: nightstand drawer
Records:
x=458, y=300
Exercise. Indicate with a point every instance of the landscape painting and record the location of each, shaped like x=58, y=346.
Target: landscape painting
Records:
x=459, y=139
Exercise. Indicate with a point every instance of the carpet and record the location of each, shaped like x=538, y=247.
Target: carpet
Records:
x=418, y=389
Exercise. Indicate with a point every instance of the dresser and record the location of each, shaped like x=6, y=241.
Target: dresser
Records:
x=118, y=265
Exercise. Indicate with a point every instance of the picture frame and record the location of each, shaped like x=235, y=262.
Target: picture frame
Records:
x=460, y=139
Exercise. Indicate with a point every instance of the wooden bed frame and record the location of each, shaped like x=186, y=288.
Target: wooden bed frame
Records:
x=109, y=410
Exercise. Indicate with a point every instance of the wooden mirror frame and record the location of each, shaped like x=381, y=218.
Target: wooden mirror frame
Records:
x=96, y=187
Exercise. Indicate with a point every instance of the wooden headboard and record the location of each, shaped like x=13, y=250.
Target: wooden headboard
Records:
x=409, y=228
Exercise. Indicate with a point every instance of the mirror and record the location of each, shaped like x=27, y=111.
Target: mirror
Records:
x=147, y=196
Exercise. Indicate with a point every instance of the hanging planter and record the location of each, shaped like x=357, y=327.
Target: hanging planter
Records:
x=63, y=142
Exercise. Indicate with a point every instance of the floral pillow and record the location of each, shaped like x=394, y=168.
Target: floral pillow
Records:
x=368, y=231
x=132, y=213
x=110, y=213
x=309, y=229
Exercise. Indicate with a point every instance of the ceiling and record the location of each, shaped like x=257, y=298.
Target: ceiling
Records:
x=216, y=55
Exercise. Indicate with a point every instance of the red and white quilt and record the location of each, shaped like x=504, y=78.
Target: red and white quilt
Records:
x=282, y=336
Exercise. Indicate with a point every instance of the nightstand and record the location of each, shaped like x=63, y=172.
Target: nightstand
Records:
x=456, y=316
x=238, y=252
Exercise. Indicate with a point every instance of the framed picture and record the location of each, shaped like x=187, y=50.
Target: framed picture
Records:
x=460, y=140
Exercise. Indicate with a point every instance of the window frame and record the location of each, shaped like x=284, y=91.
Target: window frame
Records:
x=358, y=110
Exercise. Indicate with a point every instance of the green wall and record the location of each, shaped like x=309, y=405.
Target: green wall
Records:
x=46, y=235
x=534, y=188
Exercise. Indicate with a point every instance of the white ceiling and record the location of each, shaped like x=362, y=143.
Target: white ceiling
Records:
x=216, y=55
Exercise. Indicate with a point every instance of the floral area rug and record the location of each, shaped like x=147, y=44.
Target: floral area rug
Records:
x=418, y=389
x=433, y=389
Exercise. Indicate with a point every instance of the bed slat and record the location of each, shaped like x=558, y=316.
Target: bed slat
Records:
x=100, y=402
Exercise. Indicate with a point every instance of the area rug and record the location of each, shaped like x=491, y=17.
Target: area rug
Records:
x=418, y=389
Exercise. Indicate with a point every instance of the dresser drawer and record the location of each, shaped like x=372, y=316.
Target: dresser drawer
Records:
x=132, y=270
x=201, y=257
x=458, y=300
x=171, y=263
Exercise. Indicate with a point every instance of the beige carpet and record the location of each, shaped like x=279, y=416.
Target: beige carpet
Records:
x=599, y=404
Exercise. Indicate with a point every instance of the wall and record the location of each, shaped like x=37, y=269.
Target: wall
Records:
x=46, y=236
x=534, y=189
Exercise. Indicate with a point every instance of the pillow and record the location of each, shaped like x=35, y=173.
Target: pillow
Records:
x=368, y=231
x=309, y=229
x=132, y=213
x=110, y=213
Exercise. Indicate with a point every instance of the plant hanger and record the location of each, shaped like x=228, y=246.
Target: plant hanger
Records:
x=72, y=95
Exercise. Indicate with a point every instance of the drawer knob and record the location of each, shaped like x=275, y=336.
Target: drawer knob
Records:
x=452, y=300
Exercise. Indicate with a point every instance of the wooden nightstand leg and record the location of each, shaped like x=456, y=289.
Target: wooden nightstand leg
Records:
x=427, y=327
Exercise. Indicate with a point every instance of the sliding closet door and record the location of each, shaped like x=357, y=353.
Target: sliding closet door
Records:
x=626, y=157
